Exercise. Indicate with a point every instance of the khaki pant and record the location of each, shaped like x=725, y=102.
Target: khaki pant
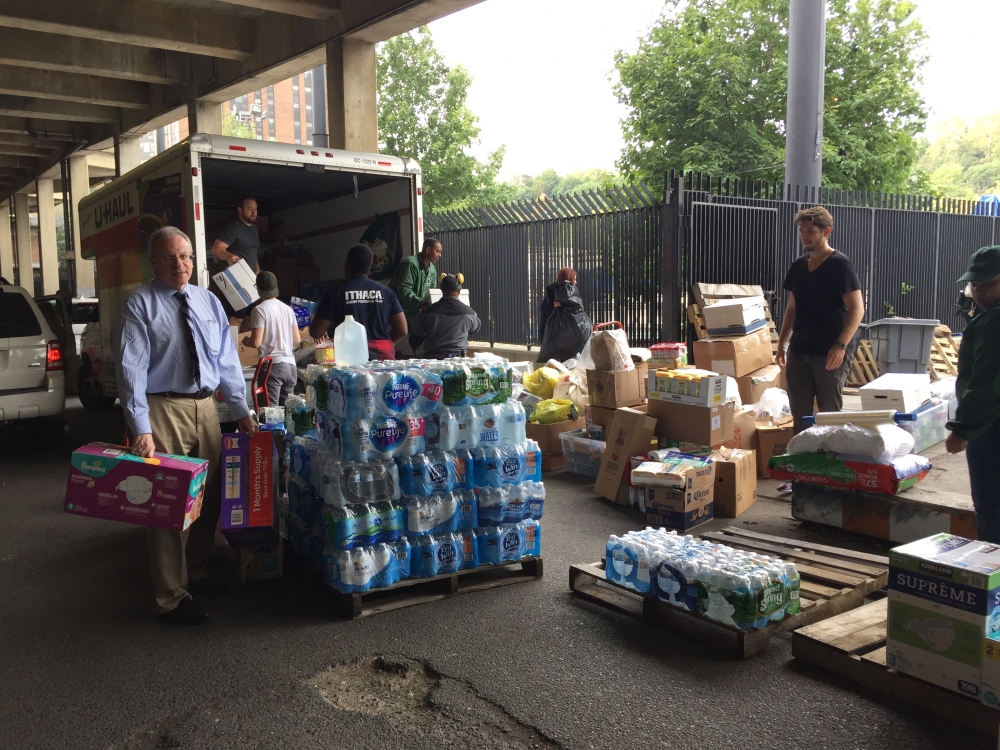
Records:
x=185, y=427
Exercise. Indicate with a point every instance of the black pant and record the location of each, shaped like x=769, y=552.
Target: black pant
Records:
x=809, y=380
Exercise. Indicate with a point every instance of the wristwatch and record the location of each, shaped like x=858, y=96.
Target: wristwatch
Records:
x=842, y=346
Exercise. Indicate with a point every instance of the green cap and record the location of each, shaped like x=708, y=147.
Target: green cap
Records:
x=984, y=265
x=267, y=285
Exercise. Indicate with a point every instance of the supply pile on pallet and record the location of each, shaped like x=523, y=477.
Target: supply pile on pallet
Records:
x=410, y=470
x=742, y=589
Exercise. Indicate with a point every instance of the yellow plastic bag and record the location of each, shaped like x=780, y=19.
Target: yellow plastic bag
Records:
x=554, y=410
x=541, y=381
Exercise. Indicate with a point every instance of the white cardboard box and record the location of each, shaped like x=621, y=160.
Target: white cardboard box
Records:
x=239, y=284
x=734, y=317
x=902, y=392
x=712, y=392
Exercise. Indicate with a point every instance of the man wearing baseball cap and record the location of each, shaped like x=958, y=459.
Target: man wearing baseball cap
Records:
x=976, y=427
x=442, y=330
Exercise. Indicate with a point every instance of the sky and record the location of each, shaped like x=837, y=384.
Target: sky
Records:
x=541, y=72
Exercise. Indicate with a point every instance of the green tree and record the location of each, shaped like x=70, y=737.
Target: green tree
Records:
x=963, y=160
x=706, y=90
x=550, y=184
x=235, y=128
x=422, y=114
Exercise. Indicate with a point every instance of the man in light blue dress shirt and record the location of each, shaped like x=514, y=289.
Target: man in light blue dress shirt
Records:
x=173, y=349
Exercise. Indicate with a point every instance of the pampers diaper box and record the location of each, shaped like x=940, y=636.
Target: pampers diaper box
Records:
x=944, y=599
x=107, y=481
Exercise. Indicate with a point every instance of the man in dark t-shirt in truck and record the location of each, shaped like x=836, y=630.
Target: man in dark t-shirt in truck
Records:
x=236, y=241
x=825, y=308
x=373, y=305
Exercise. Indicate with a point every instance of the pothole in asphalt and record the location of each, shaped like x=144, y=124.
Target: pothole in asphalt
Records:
x=413, y=696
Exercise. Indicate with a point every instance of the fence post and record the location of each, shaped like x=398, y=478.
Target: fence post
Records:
x=937, y=263
x=671, y=286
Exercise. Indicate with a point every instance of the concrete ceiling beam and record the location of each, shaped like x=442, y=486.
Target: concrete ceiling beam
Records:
x=146, y=24
x=23, y=106
x=68, y=54
x=19, y=162
x=14, y=150
x=16, y=139
x=73, y=87
x=318, y=10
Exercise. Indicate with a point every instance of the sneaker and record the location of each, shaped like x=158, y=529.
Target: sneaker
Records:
x=187, y=612
x=207, y=587
x=785, y=487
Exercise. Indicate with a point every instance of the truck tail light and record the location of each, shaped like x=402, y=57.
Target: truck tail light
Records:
x=53, y=357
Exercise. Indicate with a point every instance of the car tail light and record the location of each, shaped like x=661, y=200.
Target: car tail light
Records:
x=53, y=357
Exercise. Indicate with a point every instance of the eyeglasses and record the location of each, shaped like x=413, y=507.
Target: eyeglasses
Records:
x=168, y=260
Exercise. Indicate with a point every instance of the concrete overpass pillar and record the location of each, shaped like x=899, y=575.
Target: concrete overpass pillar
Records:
x=6, y=244
x=79, y=185
x=204, y=117
x=350, y=87
x=128, y=154
x=25, y=274
x=48, y=250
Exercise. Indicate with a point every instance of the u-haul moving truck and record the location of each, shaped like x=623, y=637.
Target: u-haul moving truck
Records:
x=320, y=199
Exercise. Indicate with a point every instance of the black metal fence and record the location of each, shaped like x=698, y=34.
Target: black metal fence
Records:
x=636, y=254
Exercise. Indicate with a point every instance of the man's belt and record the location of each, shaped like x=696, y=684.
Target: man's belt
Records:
x=197, y=395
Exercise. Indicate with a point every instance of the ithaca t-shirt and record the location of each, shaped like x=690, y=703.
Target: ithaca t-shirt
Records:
x=371, y=304
x=243, y=241
x=819, y=302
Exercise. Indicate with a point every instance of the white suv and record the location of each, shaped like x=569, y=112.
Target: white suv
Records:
x=32, y=381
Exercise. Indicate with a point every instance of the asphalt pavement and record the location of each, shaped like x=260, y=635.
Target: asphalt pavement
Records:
x=84, y=663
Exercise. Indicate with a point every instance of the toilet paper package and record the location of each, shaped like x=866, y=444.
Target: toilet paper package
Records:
x=107, y=481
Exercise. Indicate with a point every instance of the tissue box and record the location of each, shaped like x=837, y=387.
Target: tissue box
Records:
x=239, y=285
x=107, y=481
x=249, y=512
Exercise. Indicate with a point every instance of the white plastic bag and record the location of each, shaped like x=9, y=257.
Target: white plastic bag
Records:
x=881, y=444
x=607, y=350
x=733, y=392
x=773, y=405
x=569, y=387
x=944, y=389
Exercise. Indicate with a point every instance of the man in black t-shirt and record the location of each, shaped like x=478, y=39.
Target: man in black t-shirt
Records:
x=825, y=308
x=373, y=305
x=235, y=241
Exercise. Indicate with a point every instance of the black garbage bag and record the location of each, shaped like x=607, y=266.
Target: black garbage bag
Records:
x=563, y=330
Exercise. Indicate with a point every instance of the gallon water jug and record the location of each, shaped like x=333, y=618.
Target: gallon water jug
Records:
x=350, y=342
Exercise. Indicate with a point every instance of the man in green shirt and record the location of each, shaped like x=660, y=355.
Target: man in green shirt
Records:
x=976, y=427
x=415, y=277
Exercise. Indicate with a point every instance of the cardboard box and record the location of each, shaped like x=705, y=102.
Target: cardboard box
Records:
x=702, y=425
x=249, y=512
x=260, y=562
x=744, y=438
x=281, y=265
x=309, y=274
x=603, y=417
x=630, y=434
x=772, y=440
x=942, y=591
x=735, y=482
x=711, y=389
x=752, y=386
x=902, y=392
x=989, y=688
x=735, y=356
x=734, y=317
x=107, y=481
x=249, y=355
x=677, y=473
x=613, y=390
x=239, y=285
x=547, y=435
x=678, y=509
x=553, y=462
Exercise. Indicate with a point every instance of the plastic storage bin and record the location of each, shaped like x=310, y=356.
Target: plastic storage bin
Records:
x=902, y=344
x=929, y=429
x=582, y=453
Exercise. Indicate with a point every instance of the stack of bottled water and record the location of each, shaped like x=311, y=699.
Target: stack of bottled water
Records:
x=743, y=589
x=410, y=469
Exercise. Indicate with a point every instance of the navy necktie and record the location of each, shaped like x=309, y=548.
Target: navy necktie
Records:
x=193, y=363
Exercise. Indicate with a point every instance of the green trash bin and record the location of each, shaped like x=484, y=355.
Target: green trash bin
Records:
x=902, y=344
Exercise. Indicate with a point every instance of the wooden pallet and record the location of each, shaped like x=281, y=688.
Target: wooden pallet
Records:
x=865, y=369
x=834, y=580
x=852, y=645
x=706, y=294
x=422, y=590
x=944, y=355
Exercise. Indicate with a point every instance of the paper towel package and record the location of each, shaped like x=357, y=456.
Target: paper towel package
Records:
x=107, y=481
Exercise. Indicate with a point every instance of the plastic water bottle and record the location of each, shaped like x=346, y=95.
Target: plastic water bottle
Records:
x=513, y=423
x=513, y=463
x=446, y=422
x=532, y=462
x=793, y=602
x=350, y=342
x=487, y=462
x=486, y=423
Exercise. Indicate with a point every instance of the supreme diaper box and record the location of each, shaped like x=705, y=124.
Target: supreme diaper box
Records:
x=249, y=513
x=107, y=481
x=944, y=599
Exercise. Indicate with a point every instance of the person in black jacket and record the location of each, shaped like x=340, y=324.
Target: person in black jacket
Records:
x=563, y=326
x=442, y=330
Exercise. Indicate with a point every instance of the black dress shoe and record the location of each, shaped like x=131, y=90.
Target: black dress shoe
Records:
x=207, y=587
x=186, y=613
